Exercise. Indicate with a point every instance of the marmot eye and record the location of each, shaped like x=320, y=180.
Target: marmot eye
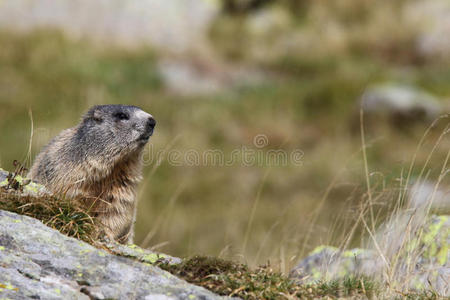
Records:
x=121, y=116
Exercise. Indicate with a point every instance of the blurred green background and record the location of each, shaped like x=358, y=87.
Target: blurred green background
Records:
x=293, y=71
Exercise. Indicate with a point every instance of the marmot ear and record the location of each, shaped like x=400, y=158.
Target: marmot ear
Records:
x=97, y=115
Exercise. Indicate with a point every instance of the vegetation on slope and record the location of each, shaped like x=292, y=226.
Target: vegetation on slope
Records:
x=220, y=276
x=234, y=279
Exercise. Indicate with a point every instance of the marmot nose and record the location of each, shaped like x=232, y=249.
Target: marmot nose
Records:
x=151, y=123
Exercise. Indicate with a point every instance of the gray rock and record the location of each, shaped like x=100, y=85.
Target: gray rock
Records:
x=140, y=254
x=326, y=262
x=39, y=262
x=426, y=193
x=407, y=255
x=269, y=32
x=433, y=19
x=206, y=76
x=416, y=248
x=186, y=78
x=400, y=101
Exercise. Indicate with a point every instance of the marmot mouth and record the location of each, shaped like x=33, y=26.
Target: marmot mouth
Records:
x=145, y=137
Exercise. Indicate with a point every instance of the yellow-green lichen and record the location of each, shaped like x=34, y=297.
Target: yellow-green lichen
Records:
x=19, y=179
x=7, y=286
x=316, y=274
x=84, y=251
x=433, y=230
x=151, y=258
x=34, y=187
x=433, y=250
x=442, y=254
x=412, y=245
x=322, y=248
x=26, y=184
x=135, y=248
x=2, y=248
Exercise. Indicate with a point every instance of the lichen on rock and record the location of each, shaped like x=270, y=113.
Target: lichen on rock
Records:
x=421, y=262
x=142, y=255
x=9, y=180
x=39, y=262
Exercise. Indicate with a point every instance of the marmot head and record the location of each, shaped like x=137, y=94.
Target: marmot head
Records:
x=113, y=130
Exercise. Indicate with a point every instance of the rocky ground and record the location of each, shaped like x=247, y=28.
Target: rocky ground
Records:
x=42, y=263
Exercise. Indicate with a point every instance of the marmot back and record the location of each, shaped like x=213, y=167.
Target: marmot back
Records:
x=99, y=161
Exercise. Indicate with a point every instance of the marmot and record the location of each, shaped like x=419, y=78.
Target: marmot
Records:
x=100, y=161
